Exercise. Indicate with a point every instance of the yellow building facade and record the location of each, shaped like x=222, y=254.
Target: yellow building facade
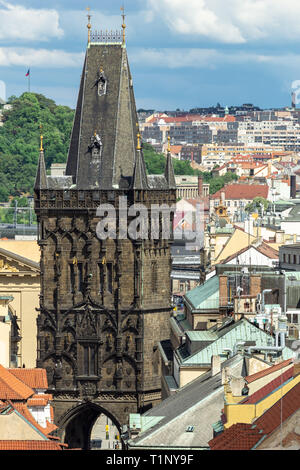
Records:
x=237, y=412
x=20, y=281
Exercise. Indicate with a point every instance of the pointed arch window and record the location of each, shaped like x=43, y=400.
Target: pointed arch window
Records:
x=89, y=359
x=154, y=276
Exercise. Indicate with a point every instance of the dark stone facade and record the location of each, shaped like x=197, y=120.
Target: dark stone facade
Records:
x=104, y=304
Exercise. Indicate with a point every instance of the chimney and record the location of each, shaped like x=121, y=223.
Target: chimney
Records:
x=237, y=385
x=223, y=198
x=293, y=187
x=223, y=298
x=255, y=284
x=200, y=186
x=279, y=237
x=215, y=365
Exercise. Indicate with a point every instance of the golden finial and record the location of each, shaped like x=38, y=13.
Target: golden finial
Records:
x=123, y=24
x=41, y=139
x=89, y=24
x=169, y=146
x=138, y=138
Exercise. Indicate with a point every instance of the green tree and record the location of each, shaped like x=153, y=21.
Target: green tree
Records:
x=20, y=140
x=258, y=204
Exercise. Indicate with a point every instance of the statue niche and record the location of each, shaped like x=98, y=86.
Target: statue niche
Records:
x=101, y=83
x=95, y=146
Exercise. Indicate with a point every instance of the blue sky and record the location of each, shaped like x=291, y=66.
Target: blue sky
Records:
x=182, y=53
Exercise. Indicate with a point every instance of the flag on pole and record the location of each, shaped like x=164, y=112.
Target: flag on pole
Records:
x=28, y=75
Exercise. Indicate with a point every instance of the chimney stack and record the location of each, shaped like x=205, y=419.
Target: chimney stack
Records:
x=223, y=198
x=293, y=186
x=200, y=186
x=215, y=365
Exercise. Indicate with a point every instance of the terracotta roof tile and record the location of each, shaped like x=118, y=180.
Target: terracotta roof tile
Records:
x=264, y=249
x=192, y=117
x=50, y=428
x=31, y=445
x=268, y=251
x=176, y=148
x=34, y=378
x=243, y=191
x=35, y=401
x=270, y=420
x=270, y=387
x=11, y=388
x=22, y=408
x=269, y=370
x=247, y=436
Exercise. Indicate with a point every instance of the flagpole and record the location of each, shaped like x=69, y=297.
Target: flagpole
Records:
x=29, y=81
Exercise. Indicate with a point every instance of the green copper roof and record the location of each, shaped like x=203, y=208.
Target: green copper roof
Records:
x=205, y=335
x=205, y=296
x=143, y=422
x=284, y=202
x=243, y=330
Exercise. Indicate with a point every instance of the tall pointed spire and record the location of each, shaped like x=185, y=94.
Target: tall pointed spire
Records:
x=169, y=170
x=105, y=102
x=139, y=180
x=41, y=176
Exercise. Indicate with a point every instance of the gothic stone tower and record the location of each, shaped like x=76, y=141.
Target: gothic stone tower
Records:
x=104, y=304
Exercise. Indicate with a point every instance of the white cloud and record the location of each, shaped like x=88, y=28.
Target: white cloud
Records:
x=232, y=21
x=2, y=90
x=39, y=57
x=29, y=24
x=174, y=58
x=180, y=58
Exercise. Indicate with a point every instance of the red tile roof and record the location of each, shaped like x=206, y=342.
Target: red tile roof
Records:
x=16, y=395
x=31, y=445
x=246, y=436
x=11, y=388
x=176, y=148
x=268, y=251
x=238, y=437
x=270, y=387
x=192, y=117
x=243, y=191
x=269, y=370
x=34, y=378
x=22, y=409
x=264, y=249
x=270, y=420
x=38, y=400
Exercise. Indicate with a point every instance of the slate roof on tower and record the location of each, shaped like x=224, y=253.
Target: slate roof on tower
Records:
x=103, y=150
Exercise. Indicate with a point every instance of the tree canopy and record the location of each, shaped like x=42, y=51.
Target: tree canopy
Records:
x=259, y=204
x=19, y=140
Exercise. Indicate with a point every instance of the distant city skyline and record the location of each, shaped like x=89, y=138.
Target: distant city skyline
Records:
x=182, y=54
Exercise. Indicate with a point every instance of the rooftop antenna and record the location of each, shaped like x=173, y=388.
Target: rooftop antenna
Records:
x=89, y=24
